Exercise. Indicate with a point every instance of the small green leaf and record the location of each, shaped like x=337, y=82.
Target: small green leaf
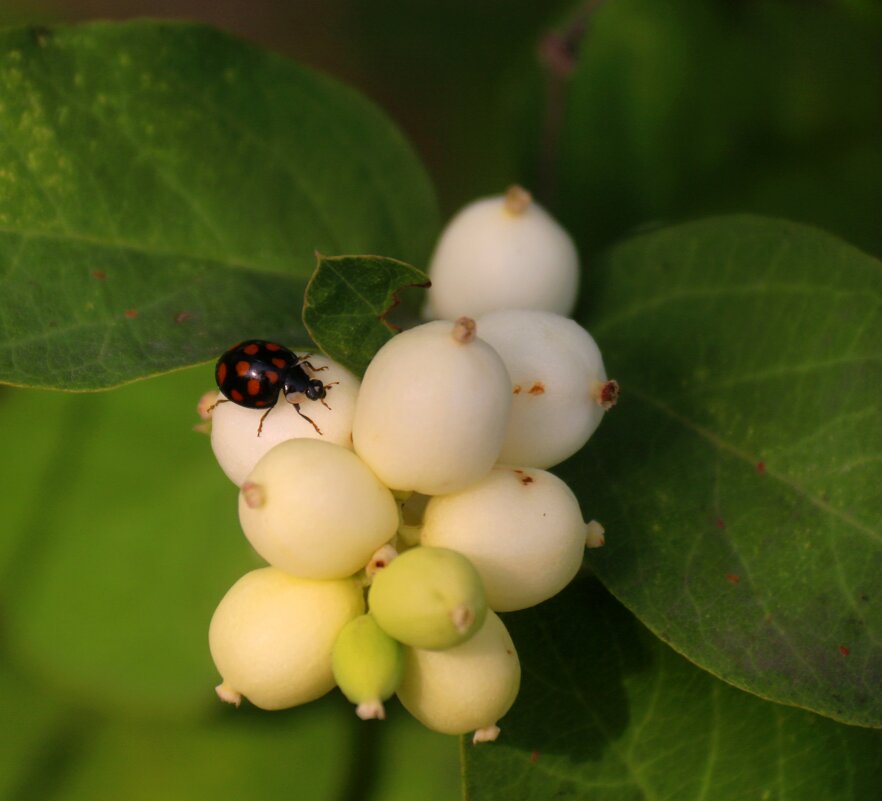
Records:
x=608, y=713
x=738, y=478
x=163, y=188
x=346, y=303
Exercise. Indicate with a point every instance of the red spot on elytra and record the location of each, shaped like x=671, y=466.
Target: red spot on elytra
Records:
x=242, y=368
x=843, y=650
x=253, y=386
x=131, y=313
x=272, y=346
x=720, y=523
x=251, y=349
x=100, y=275
x=221, y=373
x=237, y=396
x=272, y=376
x=280, y=363
x=733, y=578
x=760, y=467
x=534, y=757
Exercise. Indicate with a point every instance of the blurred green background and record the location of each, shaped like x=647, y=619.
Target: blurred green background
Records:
x=120, y=533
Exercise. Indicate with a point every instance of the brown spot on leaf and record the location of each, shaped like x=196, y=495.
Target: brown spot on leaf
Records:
x=538, y=388
x=131, y=313
x=534, y=757
x=720, y=523
x=760, y=467
x=182, y=316
x=99, y=275
x=516, y=390
x=844, y=651
x=733, y=578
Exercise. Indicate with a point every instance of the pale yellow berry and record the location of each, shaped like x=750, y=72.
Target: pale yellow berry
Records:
x=503, y=252
x=558, y=382
x=465, y=688
x=433, y=407
x=234, y=437
x=315, y=510
x=272, y=636
x=521, y=528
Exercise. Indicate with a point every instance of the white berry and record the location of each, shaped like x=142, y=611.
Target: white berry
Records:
x=272, y=636
x=315, y=510
x=521, y=528
x=234, y=437
x=503, y=252
x=559, y=384
x=465, y=688
x=433, y=407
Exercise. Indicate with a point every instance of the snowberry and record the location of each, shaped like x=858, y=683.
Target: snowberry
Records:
x=234, y=438
x=315, y=510
x=520, y=527
x=503, y=252
x=559, y=384
x=428, y=598
x=466, y=688
x=433, y=407
x=272, y=634
x=367, y=665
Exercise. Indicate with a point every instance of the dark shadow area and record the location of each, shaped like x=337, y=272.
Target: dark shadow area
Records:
x=575, y=652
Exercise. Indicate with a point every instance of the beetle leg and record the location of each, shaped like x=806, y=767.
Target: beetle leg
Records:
x=262, y=418
x=303, y=360
x=297, y=407
x=216, y=404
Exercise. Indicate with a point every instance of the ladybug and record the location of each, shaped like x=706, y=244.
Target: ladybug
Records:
x=252, y=374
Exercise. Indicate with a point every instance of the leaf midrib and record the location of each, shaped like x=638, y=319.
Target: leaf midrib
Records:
x=733, y=450
x=142, y=249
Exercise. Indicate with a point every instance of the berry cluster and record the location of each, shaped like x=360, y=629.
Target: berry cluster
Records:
x=401, y=514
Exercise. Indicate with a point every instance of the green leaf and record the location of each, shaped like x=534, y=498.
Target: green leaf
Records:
x=346, y=303
x=163, y=188
x=608, y=713
x=237, y=755
x=27, y=726
x=689, y=108
x=127, y=540
x=738, y=478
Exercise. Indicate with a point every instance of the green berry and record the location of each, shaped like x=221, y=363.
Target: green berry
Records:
x=428, y=598
x=367, y=665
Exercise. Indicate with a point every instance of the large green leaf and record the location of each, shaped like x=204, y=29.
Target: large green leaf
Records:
x=608, y=713
x=689, y=107
x=237, y=755
x=162, y=190
x=126, y=541
x=739, y=476
x=347, y=302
